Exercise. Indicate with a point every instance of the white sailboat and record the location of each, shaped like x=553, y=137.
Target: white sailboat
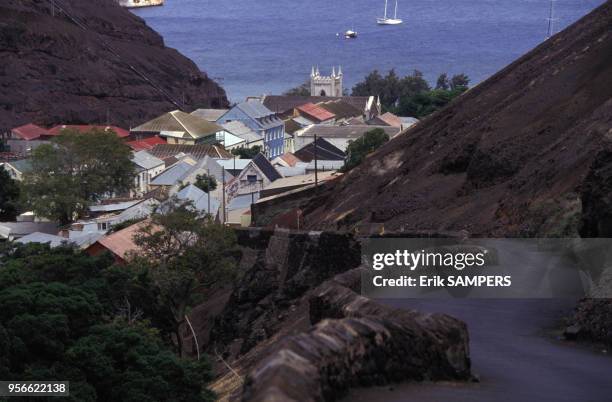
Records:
x=389, y=21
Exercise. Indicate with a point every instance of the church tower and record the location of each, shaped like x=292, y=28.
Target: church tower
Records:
x=326, y=85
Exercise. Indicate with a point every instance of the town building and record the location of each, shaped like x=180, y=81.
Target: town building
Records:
x=15, y=230
x=284, y=105
x=258, y=174
x=146, y=143
x=163, y=151
x=339, y=136
x=147, y=166
x=321, y=85
x=241, y=130
x=211, y=115
x=180, y=128
x=261, y=120
x=313, y=114
x=17, y=168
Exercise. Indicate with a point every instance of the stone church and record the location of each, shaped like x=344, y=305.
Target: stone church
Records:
x=321, y=85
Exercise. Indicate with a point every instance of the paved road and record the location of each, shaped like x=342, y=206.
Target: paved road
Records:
x=515, y=359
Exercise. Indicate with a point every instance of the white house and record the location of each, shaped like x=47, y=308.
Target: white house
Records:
x=147, y=167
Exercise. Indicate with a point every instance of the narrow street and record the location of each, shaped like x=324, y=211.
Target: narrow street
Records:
x=512, y=354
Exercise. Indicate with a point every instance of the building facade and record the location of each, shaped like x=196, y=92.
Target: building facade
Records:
x=322, y=85
x=261, y=120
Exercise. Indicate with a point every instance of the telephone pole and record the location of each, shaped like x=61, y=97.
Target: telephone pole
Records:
x=315, y=160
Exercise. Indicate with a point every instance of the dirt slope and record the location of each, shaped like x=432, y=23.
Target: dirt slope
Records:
x=526, y=152
x=104, y=65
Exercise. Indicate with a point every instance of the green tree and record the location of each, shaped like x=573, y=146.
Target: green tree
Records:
x=76, y=170
x=206, y=183
x=391, y=87
x=372, y=85
x=184, y=253
x=61, y=320
x=358, y=150
x=302, y=90
x=442, y=82
x=9, y=196
x=459, y=82
x=247, y=153
x=425, y=103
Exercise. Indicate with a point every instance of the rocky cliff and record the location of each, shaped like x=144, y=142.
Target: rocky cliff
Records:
x=294, y=328
x=527, y=152
x=73, y=61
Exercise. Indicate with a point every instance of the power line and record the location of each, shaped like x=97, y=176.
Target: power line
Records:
x=107, y=46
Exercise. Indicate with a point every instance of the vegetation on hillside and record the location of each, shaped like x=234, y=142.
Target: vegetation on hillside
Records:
x=358, y=150
x=72, y=317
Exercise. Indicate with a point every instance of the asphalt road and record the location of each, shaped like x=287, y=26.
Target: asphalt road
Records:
x=514, y=356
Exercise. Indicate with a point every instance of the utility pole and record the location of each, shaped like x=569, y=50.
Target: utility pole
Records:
x=223, y=179
x=208, y=193
x=315, y=160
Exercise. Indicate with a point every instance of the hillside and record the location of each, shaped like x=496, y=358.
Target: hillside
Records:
x=527, y=152
x=91, y=62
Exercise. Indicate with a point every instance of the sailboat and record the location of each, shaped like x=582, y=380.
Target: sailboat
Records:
x=389, y=21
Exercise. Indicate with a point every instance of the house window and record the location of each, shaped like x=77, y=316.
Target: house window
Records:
x=103, y=226
x=251, y=178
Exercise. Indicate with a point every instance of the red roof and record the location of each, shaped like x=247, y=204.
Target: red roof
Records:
x=147, y=143
x=316, y=112
x=121, y=133
x=29, y=132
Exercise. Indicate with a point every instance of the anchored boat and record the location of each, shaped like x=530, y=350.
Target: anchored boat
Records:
x=389, y=21
x=350, y=34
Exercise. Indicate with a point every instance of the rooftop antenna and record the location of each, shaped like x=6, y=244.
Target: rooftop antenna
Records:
x=551, y=20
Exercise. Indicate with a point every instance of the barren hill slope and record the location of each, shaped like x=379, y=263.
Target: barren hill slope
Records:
x=527, y=152
x=91, y=61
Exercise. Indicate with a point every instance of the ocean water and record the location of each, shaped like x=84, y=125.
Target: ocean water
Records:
x=254, y=47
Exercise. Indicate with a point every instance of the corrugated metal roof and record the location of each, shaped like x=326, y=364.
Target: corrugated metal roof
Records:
x=20, y=229
x=284, y=103
x=352, y=132
x=173, y=174
x=29, y=132
x=199, y=199
x=230, y=164
x=198, y=151
x=325, y=151
x=120, y=132
x=341, y=109
x=266, y=167
x=146, y=160
x=44, y=238
x=241, y=130
x=302, y=121
x=118, y=206
x=211, y=115
x=180, y=122
x=243, y=201
x=315, y=112
x=255, y=109
x=147, y=143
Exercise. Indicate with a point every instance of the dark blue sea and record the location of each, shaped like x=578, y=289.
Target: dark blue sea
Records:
x=254, y=47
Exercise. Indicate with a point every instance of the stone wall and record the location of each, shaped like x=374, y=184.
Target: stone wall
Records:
x=362, y=344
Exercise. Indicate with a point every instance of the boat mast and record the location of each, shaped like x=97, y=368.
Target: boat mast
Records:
x=385, y=17
x=395, y=15
x=551, y=20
